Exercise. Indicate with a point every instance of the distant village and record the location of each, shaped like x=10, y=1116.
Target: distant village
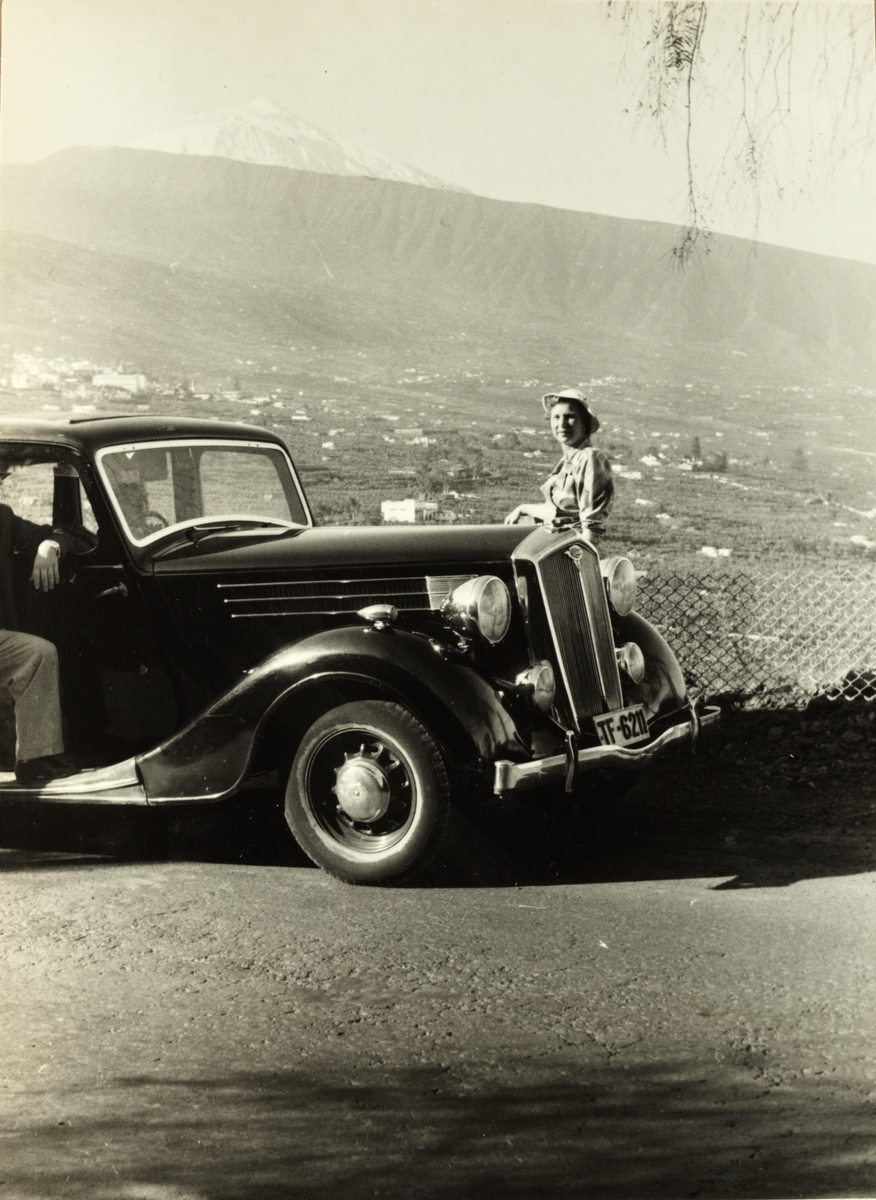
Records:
x=405, y=472
x=76, y=381
x=81, y=384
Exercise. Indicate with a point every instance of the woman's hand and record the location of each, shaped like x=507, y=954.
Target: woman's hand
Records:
x=530, y=514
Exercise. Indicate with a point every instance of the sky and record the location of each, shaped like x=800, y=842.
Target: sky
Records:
x=522, y=100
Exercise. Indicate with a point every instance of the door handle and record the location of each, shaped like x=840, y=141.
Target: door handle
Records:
x=120, y=589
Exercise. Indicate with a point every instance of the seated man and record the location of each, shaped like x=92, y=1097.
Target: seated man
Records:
x=28, y=664
x=130, y=491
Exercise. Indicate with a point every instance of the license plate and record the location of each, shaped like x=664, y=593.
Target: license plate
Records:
x=622, y=727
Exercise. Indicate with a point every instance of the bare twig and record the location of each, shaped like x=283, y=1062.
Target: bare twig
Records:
x=780, y=114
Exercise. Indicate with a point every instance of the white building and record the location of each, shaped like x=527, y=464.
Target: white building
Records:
x=408, y=512
x=129, y=383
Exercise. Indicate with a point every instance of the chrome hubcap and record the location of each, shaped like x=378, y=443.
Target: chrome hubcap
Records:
x=362, y=786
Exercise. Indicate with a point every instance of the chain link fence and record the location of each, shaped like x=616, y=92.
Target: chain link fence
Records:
x=769, y=639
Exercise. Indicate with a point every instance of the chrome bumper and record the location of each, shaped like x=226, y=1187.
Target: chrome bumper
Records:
x=516, y=777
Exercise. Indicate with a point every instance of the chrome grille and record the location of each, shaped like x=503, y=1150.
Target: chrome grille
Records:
x=574, y=599
x=336, y=597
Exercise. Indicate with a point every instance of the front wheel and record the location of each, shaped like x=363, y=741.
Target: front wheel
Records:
x=368, y=797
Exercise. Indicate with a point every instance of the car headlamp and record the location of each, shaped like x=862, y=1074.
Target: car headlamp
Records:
x=631, y=660
x=620, y=584
x=541, y=685
x=481, y=605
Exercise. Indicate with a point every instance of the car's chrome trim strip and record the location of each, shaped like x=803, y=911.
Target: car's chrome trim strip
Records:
x=515, y=777
x=312, y=596
x=311, y=612
x=295, y=583
x=433, y=588
x=426, y=593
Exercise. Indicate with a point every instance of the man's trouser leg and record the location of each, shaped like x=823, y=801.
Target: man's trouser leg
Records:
x=29, y=669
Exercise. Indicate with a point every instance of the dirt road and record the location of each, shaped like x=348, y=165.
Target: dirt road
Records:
x=674, y=1000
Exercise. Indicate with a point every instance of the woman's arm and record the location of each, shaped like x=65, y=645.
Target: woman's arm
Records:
x=594, y=486
x=539, y=512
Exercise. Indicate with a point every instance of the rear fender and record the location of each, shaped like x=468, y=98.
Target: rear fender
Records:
x=210, y=757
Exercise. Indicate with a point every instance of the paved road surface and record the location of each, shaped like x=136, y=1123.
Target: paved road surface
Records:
x=653, y=1007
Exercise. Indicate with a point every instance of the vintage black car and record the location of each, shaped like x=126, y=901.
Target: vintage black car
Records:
x=209, y=633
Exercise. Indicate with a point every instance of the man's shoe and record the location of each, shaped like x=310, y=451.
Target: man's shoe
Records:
x=34, y=771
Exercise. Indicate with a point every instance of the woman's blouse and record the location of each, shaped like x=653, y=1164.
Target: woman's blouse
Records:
x=581, y=489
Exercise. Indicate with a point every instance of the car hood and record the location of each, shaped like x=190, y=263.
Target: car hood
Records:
x=348, y=547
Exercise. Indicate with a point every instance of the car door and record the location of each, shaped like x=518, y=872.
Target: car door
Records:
x=118, y=682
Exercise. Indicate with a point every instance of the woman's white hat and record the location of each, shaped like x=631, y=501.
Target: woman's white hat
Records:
x=549, y=399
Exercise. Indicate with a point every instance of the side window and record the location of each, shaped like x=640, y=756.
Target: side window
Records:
x=29, y=491
x=47, y=493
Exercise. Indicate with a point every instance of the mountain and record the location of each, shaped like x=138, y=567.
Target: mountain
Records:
x=262, y=132
x=208, y=262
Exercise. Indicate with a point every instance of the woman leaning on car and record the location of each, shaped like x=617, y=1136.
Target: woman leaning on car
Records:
x=580, y=489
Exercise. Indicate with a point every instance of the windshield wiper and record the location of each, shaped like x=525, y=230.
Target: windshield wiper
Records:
x=200, y=533
x=195, y=534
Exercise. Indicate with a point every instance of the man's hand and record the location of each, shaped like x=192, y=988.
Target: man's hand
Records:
x=46, y=572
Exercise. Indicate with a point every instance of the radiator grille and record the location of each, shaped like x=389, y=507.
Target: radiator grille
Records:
x=573, y=594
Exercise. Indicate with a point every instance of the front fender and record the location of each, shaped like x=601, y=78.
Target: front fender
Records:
x=209, y=758
x=663, y=689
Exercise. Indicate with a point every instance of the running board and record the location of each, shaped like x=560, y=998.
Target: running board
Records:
x=119, y=784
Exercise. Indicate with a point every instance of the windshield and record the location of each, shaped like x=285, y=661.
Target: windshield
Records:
x=164, y=485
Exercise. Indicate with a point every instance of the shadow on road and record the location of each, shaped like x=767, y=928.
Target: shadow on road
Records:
x=249, y=829
x=649, y=1130
x=773, y=801
x=775, y=798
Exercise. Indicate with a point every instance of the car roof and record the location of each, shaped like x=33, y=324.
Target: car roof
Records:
x=89, y=434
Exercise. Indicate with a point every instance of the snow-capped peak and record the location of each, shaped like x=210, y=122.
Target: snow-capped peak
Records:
x=262, y=132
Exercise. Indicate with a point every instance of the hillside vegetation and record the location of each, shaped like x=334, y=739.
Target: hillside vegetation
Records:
x=736, y=398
